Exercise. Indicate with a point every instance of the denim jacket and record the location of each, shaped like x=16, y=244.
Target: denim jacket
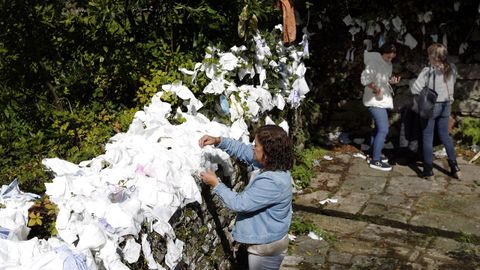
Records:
x=264, y=207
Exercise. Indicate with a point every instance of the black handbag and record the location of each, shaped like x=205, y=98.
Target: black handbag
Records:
x=424, y=102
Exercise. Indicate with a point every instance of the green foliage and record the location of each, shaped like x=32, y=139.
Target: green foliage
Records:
x=74, y=73
x=470, y=128
x=166, y=72
x=301, y=226
x=77, y=134
x=42, y=217
x=467, y=238
x=303, y=170
x=252, y=11
x=302, y=175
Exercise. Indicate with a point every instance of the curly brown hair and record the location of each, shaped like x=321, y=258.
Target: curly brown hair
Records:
x=277, y=148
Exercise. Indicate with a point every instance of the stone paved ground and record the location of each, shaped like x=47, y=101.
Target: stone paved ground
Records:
x=389, y=220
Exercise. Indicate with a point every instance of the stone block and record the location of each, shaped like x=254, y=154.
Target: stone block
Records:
x=413, y=186
x=388, y=213
x=363, y=184
x=439, y=257
x=311, y=199
x=469, y=108
x=338, y=267
x=403, y=171
x=324, y=179
x=339, y=257
x=339, y=227
x=401, y=252
x=349, y=202
x=290, y=262
x=470, y=174
x=445, y=244
x=397, y=200
x=461, y=189
x=356, y=247
x=392, y=237
x=443, y=221
x=452, y=204
x=467, y=90
x=414, y=255
x=313, y=252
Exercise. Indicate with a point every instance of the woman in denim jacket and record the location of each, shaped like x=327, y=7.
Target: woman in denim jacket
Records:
x=264, y=207
x=445, y=76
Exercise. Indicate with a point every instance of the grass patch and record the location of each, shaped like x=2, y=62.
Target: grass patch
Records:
x=301, y=226
x=303, y=170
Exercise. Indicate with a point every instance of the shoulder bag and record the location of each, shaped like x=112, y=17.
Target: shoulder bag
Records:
x=424, y=102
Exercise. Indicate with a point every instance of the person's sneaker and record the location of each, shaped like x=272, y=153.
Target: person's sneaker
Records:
x=383, y=159
x=380, y=165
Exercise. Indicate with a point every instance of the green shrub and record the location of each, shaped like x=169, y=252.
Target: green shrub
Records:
x=303, y=171
x=302, y=175
x=301, y=226
x=42, y=218
x=76, y=134
x=470, y=129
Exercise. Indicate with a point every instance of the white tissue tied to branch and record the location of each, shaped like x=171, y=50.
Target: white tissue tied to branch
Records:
x=397, y=25
x=148, y=173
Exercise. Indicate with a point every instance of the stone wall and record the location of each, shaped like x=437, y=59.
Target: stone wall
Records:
x=467, y=90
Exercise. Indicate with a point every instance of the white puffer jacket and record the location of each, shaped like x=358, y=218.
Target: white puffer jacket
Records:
x=379, y=72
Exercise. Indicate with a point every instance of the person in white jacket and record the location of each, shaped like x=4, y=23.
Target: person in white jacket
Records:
x=378, y=97
x=444, y=81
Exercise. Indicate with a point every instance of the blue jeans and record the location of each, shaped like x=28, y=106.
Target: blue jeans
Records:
x=441, y=115
x=380, y=117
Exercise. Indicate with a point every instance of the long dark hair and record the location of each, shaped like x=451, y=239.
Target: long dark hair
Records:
x=388, y=47
x=277, y=148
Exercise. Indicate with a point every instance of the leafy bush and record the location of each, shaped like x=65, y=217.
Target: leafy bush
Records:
x=470, y=129
x=77, y=134
x=42, y=218
x=303, y=170
x=302, y=175
x=301, y=226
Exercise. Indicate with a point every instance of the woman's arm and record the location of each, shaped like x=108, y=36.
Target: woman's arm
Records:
x=367, y=78
x=234, y=148
x=262, y=193
x=420, y=82
x=241, y=151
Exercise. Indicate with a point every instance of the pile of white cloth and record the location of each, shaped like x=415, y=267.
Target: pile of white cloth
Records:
x=18, y=253
x=144, y=176
x=147, y=173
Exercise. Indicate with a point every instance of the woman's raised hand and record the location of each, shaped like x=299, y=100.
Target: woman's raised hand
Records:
x=210, y=178
x=208, y=140
x=394, y=80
